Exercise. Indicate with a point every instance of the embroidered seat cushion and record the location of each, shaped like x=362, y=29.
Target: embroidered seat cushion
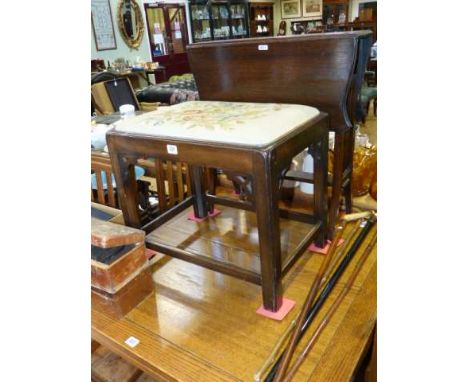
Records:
x=238, y=123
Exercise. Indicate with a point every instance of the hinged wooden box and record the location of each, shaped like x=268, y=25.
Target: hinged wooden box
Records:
x=117, y=255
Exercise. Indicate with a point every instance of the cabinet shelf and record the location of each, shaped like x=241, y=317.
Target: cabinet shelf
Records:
x=262, y=10
x=226, y=15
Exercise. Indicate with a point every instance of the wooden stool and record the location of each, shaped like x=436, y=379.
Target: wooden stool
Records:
x=255, y=140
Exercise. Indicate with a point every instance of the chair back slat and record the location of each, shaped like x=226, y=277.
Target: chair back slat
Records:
x=110, y=194
x=188, y=180
x=180, y=182
x=170, y=181
x=160, y=185
x=100, y=188
x=101, y=166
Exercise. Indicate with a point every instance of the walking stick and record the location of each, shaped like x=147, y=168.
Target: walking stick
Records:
x=366, y=226
x=279, y=343
x=309, y=300
x=331, y=310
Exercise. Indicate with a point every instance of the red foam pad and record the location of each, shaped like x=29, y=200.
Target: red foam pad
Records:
x=149, y=253
x=325, y=249
x=286, y=307
x=191, y=216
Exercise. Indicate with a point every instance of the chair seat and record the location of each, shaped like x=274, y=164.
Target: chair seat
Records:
x=238, y=123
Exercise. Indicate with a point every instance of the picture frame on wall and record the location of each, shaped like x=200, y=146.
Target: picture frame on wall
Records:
x=312, y=8
x=103, y=25
x=290, y=9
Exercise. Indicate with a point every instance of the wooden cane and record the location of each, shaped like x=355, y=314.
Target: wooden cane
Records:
x=366, y=226
x=308, y=303
x=278, y=345
x=331, y=310
x=343, y=249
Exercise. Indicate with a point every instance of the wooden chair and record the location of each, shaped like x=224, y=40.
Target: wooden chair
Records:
x=320, y=70
x=171, y=177
x=162, y=176
x=101, y=168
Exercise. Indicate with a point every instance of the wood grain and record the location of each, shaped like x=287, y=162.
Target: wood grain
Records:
x=200, y=325
x=231, y=237
x=107, y=235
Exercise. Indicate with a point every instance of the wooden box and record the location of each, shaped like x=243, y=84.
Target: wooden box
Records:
x=112, y=277
x=129, y=296
x=117, y=255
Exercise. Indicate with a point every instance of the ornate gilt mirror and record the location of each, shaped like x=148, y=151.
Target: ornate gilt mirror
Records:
x=130, y=22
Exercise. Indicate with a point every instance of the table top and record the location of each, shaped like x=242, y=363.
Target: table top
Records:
x=201, y=325
x=239, y=123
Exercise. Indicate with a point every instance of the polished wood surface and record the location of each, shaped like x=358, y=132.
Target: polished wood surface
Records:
x=231, y=237
x=200, y=325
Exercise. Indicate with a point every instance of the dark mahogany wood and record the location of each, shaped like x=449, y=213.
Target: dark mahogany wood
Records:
x=320, y=70
x=264, y=165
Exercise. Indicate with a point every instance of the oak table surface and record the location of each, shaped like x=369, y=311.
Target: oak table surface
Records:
x=201, y=325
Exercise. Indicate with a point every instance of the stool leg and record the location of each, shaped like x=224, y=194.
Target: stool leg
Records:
x=338, y=167
x=198, y=190
x=211, y=177
x=320, y=153
x=266, y=189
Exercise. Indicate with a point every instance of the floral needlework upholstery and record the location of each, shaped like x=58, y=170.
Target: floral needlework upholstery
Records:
x=242, y=123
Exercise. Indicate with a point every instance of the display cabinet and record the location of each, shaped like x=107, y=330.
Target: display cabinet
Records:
x=167, y=32
x=261, y=19
x=218, y=20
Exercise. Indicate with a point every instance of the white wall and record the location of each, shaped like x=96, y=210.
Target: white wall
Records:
x=123, y=50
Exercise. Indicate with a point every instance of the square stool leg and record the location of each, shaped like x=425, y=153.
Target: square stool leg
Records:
x=198, y=189
x=266, y=189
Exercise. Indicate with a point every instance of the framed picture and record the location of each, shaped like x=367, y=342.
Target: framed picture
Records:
x=290, y=9
x=312, y=8
x=103, y=26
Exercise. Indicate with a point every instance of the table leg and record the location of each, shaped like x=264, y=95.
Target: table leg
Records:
x=320, y=153
x=348, y=164
x=338, y=167
x=266, y=189
x=198, y=189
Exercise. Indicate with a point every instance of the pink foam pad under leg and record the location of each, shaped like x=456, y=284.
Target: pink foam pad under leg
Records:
x=286, y=307
x=325, y=249
x=191, y=216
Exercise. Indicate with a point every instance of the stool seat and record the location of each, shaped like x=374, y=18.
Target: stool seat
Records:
x=237, y=123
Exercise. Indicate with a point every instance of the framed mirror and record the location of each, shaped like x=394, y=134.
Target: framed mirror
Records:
x=130, y=22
